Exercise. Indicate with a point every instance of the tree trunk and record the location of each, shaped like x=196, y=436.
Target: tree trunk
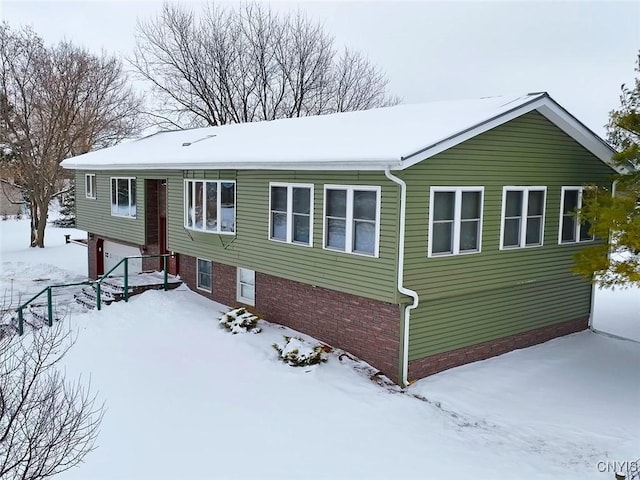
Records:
x=33, y=212
x=42, y=224
x=38, y=223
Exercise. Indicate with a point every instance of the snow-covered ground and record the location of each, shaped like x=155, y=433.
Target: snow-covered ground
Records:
x=187, y=400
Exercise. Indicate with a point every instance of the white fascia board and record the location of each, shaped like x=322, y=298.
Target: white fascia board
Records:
x=548, y=108
x=377, y=165
x=465, y=135
x=579, y=132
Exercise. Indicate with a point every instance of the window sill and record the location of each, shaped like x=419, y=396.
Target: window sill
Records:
x=446, y=255
x=359, y=254
x=210, y=232
x=308, y=245
x=525, y=247
x=247, y=301
x=577, y=242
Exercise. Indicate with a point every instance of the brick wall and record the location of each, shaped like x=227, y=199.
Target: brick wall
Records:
x=92, y=256
x=366, y=328
x=426, y=366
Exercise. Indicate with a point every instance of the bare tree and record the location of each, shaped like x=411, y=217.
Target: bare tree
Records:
x=47, y=424
x=244, y=64
x=56, y=102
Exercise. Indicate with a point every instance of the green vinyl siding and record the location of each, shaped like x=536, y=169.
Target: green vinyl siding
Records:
x=250, y=247
x=472, y=298
x=94, y=215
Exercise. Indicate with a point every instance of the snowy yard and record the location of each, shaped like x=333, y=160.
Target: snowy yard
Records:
x=187, y=400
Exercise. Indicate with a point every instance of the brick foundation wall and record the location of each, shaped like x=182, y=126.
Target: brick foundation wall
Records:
x=366, y=328
x=426, y=366
x=92, y=256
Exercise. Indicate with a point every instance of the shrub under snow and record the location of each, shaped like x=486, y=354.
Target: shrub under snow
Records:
x=238, y=320
x=300, y=353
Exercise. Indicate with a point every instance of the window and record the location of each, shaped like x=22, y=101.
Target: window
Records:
x=210, y=206
x=246, y=286
x=572, y=230
x=205, y=275
x=123, y=197
x=455, y=223
x=90, y=185
x=352, y=219
x=291, y=213
x=522, y=217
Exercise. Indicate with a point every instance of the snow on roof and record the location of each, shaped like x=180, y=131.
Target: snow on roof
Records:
x=391, y=137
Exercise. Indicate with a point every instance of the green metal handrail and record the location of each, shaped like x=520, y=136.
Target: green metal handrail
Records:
x=97, y=284
x=49, y=303
x=125, y=260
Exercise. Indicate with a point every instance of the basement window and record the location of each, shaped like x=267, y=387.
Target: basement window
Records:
x=246, y=286
x=523, y=210
x=123, y=197
x=455, y=220
x=204, y=275
x=210, y=206
x=572, y=229
x=90, y=186
x=291, y=213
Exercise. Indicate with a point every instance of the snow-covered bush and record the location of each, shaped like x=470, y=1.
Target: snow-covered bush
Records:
x=238, y=320
x=300, y=353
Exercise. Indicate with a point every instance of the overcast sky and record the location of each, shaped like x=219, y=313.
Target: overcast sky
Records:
x=579, y=52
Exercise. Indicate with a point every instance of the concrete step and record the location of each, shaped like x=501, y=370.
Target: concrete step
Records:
x=112, y=288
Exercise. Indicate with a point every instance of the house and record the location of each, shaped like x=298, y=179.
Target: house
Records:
x=11, y=198
x=417, y=237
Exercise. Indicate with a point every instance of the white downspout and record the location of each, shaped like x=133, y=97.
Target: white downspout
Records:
x=401, y=288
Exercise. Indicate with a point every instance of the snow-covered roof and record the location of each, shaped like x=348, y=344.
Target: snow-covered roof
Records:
x=394, y=137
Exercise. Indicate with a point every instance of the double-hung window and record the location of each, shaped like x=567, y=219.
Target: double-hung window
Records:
x=291, y=213
x=123, y=197
x=352, y=219
x=523, y=211
x=455, y=221
x=205, y=275
x=572, y=229
x=246, y=287
x=210, y=206
x=90, y=185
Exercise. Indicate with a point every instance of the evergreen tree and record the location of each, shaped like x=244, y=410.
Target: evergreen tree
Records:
x=67, y=217
x=617, y=217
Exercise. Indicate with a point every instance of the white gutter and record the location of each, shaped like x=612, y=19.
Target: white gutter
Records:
x=401, y=288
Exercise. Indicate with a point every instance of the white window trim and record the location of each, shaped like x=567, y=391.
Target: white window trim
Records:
x=290, y=187
x=90, y=186
x=112, y=199
x=349, y=219
x=198, y=259
x=578, y=224
x=239, y=297
x=204, y=206
x=456, y=220
x=523, y=225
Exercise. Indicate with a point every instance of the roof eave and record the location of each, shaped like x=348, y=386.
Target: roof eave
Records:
x=543, y=104
x=330, y=165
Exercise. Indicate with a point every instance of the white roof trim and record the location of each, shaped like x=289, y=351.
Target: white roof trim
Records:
x=548, y=108
x=342, y=165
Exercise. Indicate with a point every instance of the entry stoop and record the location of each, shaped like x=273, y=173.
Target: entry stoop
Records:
x=112, y=288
